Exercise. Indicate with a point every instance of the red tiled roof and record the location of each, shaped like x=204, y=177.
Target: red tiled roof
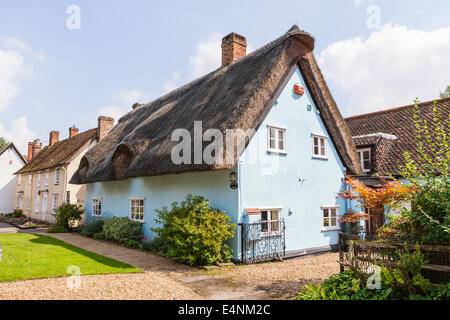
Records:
x=60, y=153
x=398, y=122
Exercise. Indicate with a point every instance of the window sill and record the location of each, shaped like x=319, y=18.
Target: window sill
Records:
x=140, y=221
x=276, y=151
x=328, y=229
x=320, y=157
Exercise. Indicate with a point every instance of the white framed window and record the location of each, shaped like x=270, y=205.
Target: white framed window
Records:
x=365, y=158
x=276, y=139
x=38, y=180
x=28, y=203
x=330, y=216
x=19, y=179
x=46, y=177
x=270, y=222
x=36, y=204
x=97, y=207
x=30, y=178
x=56, y=176
x=19, y=203
x=137, y=209
x=68, y=197
x=319, y=146
x=44, y=203
x=54, y=203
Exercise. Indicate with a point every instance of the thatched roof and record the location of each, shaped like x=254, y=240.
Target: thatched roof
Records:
x=236, y=96
x=60, y=153
x=390, y=133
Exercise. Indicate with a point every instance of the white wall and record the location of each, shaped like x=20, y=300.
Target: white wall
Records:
x=7, y=179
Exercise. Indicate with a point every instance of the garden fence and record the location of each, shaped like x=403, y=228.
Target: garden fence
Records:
x=360, y=251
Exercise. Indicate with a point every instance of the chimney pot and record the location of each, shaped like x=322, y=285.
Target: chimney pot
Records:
x=234, y=46
x=54, y=137
x=105, y=124
x=73, y=131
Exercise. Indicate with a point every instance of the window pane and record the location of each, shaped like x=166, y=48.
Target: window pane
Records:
x=281, y=144
x=333, y=222
x=263, y=215
x=272, y=143
x=325, y=213
x=333, y=212
x=274, y=215
x=326, y=222
x=366, y=155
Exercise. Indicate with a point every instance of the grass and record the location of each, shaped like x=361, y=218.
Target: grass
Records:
x=33, y=256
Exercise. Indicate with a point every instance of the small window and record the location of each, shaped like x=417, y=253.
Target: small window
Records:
x=57, y=176
x=28, y=203
x=54, y=203
x=38, y=183
x=68, y=197
x=19, y=179
x=97, y=207
x=30, y=178
x=319, y=146
x=330, y=217
x=276, y=139
x=137, y=210
x=365, y=159
x=270, y=222
x=36, y=204
x=46, y=178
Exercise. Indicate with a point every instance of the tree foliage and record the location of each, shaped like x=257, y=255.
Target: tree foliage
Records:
x=3, y=143
x=446, y=93
x=392, y=194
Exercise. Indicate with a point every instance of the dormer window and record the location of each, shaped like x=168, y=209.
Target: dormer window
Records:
x=365, y=157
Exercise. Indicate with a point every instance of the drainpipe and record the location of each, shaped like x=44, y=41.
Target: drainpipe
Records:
x=239, y=242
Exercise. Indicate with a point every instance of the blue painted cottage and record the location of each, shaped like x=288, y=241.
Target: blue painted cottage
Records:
x=279, y=183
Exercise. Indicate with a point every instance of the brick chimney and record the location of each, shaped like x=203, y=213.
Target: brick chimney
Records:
x=105, y=124
x=37, y=146
x=234, y=46
x=73, y=131
x=54, y=137
x=30, y=151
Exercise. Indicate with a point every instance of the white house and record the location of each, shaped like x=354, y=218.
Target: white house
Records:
x=11, y=160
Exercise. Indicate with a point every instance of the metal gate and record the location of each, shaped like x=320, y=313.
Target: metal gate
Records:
x=262, y=241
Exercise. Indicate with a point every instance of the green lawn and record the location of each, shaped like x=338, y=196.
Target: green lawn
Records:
x=30, y=256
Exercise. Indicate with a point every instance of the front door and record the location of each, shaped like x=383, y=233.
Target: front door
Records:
x=44, y=205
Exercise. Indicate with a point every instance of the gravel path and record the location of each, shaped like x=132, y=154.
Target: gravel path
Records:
x=167, y=280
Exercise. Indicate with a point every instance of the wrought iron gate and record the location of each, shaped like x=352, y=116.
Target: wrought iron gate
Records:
x=258, y=244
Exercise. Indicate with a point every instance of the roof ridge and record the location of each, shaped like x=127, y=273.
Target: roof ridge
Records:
x=398, y=108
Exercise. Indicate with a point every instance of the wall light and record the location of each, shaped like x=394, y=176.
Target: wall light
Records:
x=233, y=180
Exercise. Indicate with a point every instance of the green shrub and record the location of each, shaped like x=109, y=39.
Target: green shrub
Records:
x=67, y=214
x=122, y=229
x=132, y=244
x=98, y=236
x=90, y=229
x=155, y=245
x=57, y=229
x=194, y=233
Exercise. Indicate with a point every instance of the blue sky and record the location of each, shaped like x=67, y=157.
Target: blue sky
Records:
x=134, y=51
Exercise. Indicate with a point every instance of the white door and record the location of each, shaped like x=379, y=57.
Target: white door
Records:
x=44, y=205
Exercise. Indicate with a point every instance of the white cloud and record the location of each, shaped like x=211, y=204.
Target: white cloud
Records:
x=391, y=67
x=172, y=83
x=208, y=55
x=121, y=102
x=11, y=67
x=19, y=133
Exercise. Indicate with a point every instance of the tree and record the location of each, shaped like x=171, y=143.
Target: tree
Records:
x=446, y=93
x=392, y=194
x=3, y=143
x=428, y=170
